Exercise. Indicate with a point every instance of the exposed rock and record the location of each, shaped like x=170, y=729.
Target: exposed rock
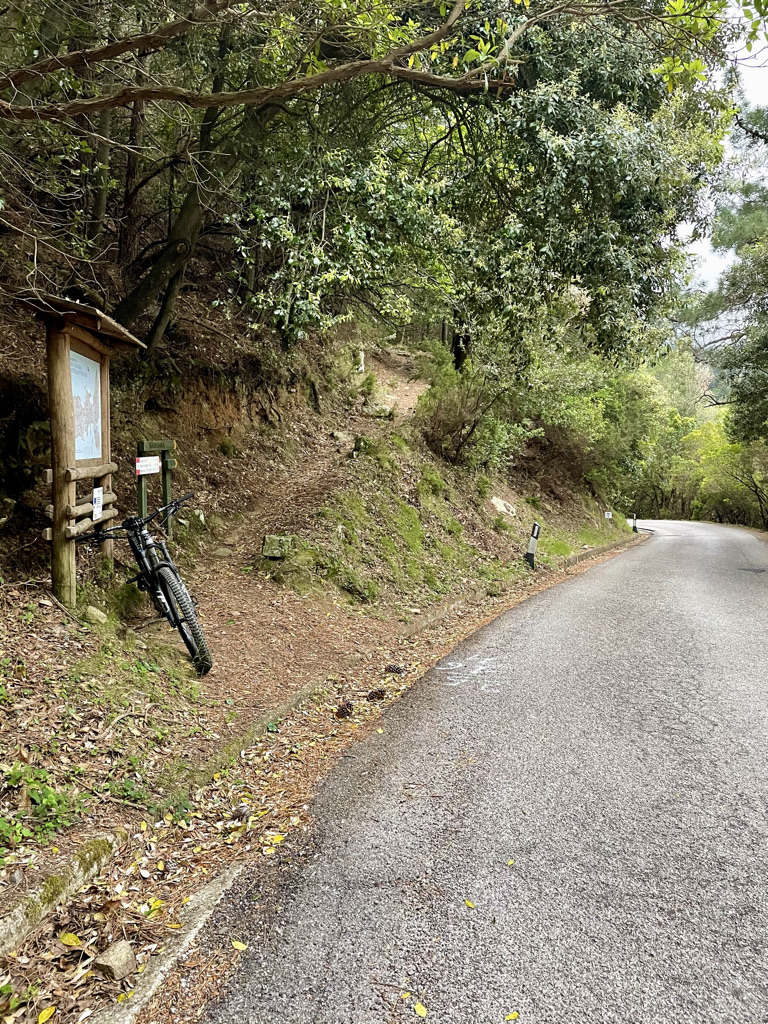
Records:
x=278, y=546
x=379, y=412
x=503, y=506
x=343, y=435
x=222, y=552
x=94, y=615
x=118, y=961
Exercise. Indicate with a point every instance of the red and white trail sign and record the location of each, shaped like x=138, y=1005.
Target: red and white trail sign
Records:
x=146, y=464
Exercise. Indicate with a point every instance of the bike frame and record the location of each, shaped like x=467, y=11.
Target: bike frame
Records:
x=150, y=555
x=145, y=550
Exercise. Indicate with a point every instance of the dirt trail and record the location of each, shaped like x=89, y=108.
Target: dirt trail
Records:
x=268, y=642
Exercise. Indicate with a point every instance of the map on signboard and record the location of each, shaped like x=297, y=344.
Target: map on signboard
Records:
x=86, y=398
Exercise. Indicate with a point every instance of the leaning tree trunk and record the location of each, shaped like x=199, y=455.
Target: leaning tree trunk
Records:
x=171, y=261
x=165, y=315
x=185, y=229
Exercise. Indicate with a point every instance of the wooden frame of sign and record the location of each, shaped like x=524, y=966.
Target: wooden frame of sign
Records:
x=80, y=341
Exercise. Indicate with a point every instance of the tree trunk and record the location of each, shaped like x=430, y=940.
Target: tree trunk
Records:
x=165, y=315
x=172, y=259
x=184, y=232
x=127, y=245
x=101, y=176
x=459, y=343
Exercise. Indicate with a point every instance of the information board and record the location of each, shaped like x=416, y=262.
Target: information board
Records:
x=85, y=374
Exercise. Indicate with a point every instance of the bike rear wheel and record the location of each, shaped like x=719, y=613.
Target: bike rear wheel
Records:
x=180, y=602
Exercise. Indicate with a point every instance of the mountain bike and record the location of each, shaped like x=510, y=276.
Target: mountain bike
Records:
x=159, y=577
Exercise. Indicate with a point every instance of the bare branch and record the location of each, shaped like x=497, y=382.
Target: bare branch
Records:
x=490, y=74
x=146, y=42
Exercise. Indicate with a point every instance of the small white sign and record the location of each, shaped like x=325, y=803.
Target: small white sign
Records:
x=146, y=464
x=98, y=503
x=609, y=515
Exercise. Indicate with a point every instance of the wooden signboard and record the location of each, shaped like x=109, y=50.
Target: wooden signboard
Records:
x=80, y=342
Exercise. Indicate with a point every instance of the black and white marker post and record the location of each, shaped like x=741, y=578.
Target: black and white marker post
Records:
x=530, y=554
x=634, y=522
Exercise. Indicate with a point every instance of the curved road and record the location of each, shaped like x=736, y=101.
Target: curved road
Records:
x=610, y=736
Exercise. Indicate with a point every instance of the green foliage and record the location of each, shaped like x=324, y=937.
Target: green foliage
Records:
x=432, y=481
x=49, y=806
x=227, y=447
x=368, y=385
x=698, y=472
x=483, y=485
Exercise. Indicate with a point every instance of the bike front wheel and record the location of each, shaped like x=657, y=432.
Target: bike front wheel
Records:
x=182, y=607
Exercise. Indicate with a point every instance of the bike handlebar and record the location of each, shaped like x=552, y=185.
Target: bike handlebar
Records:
x=133, y=522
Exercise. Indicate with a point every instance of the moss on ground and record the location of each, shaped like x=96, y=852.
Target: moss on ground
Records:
x=397, y=534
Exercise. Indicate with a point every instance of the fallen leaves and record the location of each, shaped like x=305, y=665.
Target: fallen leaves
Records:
x=470, y=904
x=420, y=1010
x=512, y=1016
x=237, y=944
x=68, y=939
x=46, y=1014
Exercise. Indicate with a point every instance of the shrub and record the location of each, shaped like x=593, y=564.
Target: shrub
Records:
x=459, y=420
x=483, y=486
x=432, y=481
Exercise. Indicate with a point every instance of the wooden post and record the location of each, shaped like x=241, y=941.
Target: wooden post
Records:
x=163, y=449
x=107, y=549
x=80, y=341
x=167, y=479
x=63, y=572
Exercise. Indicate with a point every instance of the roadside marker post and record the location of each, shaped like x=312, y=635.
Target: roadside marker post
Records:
x=634, y=522
x=530, y=554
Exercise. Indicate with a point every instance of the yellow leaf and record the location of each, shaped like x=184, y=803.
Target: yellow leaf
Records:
x=143, y=826
x=379, y=730
x=406, y=995
x=161, y=865
x=54, y=849
x=421, y=1010
x=238, y=944
x=470, y=904
x=174, y=926
x=69, y=939
x=45, y=1014
x=121, y=997
x=512, y=1016
x=510, y=863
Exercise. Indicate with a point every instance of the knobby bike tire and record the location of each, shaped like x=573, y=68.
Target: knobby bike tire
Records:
x=189, y=628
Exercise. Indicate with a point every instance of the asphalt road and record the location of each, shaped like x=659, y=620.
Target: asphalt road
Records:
x=609, y=735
